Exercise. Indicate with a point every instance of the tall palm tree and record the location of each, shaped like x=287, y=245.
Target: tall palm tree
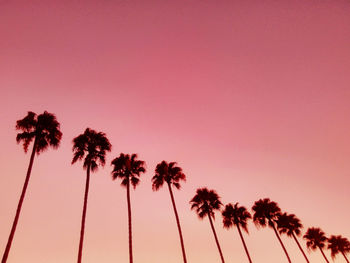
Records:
x=291, y=225
x=128, y=169
x=205, y=202
x=315, y=238
x=44, y=129
x=171, y=174
x=265, y=213
x=237, y=216
x=91, y=146
x=339, y=244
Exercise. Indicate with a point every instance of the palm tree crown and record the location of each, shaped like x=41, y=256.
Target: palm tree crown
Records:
x=265, y=211
x=93, y=146
x=289, y=224
x=235, y=216
x=315, y=238
x=128, y=169
x=205, y=202
x=44, y=128
x=169, y=173
x=338, y=244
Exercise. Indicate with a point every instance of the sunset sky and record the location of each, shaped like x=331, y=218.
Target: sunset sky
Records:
x=251, y=98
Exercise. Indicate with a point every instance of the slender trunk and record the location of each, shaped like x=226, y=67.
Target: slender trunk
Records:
x=178, y=224
x=301, y=249
x=245, y=246
x=216, y=238
x=345, y=256
x=19, y=206
x=84, y=215
x=129, y=221
x=279, y=239
x=324, y=255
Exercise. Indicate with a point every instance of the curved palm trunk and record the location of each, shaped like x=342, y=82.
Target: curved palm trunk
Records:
x=178, y=224
x=279, y=239
x=216, y=239
x=19, y=206
x=245, y=246
x=129, y=221
x=323, y=255
x=82, y=229
x=345, y=257
x=301, y=249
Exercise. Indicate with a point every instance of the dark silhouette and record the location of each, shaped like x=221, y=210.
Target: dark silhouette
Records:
x=339, y=244
x=237, y=216
x=315, y=238
x=205, y=202
x=44, y=129
x=128, y=169
x=266, y=212
x=172, y=175
x=93, y=146
x=291, y=225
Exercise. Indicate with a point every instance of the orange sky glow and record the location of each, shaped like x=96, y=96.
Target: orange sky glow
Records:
x=251, y=98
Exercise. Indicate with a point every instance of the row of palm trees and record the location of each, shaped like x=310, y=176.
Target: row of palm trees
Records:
x=91, y=147
x=265, y=213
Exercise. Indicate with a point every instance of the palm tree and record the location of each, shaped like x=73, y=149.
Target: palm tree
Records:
x=128, y=169
x=315, y=238
x=44, y=129
x=172, y=175
x=237, y=216
x=205, y=202
x=339, y=244
x=266, y=212
x=91, y=146
x=291, y=225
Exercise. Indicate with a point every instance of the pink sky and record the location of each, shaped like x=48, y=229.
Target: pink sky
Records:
x=251, y=98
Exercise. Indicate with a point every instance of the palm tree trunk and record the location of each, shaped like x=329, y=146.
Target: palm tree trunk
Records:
x=301, y=249
x=216, y=238
x=129, y=221
x=19, y=206
x=82, y=229
x=345, y=256
x=178, y=224
x=324, y=255
x=245, y=246
x=279, y=239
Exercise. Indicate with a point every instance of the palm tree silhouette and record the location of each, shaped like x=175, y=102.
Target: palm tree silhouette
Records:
x=128, y=169
x=266, y=212
x=291, y=225
x=315, y=238
x=339, y=244
x=44, y=129
x=205, y=202
x=93, y=146
x=172, y=175
x=237, y=216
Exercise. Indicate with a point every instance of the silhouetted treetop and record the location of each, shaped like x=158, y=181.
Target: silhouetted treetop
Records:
x=92, y=146
x=169, y=173
x=338, y=244
x=128, y=168
x=205, y=202
x=234, y=215
x=315, y=238
x=289, y=224
x=43, y=128
x=265, y=211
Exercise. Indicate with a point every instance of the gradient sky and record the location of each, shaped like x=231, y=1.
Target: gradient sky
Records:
x=251, y=98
